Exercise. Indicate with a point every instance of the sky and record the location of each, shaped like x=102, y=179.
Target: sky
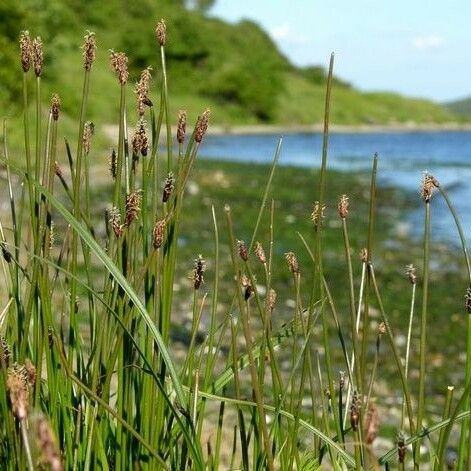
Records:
x=418, y=48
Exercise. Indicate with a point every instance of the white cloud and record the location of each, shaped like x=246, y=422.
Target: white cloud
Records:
x=285, y=33
x=431, y=41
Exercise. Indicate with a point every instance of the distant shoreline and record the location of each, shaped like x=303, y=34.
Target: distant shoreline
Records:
x=260, y=129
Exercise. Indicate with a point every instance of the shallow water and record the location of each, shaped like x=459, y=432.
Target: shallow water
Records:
x=403, y=158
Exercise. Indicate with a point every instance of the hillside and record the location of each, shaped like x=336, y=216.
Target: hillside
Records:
x=460, y=107
x=234, y=69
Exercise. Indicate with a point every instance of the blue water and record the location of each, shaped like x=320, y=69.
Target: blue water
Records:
x=403, y=158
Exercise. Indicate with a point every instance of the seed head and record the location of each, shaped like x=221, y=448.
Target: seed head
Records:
x=371, y=424
x=428, y=184
x=343, y=206
x=202, y=126
x=317, y=214
x=247, y=285
x=382, y=328
x=260, y=253
x=158, y=233
x=133, y=206
x=49, y=453
x=161, y=32
x=55, y=106
x=115, y=222
x=5, y=353
x=168, y=187
x=25, y=50
x=88, y=131
x=411, y=273
x=142, y=91
x=198, y=272
x=6, y=254
x=181, y=127
x=140, y=142
x=355, y=412
x=242, y=250
x=30, y=372
x=38, y=56
x=89, y=48
x=270, y=300
x=364, y=255
x=401, y=447
x=119, y=62
x=468, y=300
x=292, y=261
x=17, y=385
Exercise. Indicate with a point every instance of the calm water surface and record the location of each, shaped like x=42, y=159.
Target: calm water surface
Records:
x=403, y=157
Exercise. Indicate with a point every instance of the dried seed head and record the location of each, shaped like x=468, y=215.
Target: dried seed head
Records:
x=161, y=32
x=317, y=214
x=89, y=48
x=158, y=233
x=88, y=131
x=115, y=222
x=343, y=206
x=17, y=386
x=181, y=127
x=382, y=328
x=133, y=206
x=242, y=250
x=198, y=272
x=292, y=261
x=30, y=372
x=401, y=447
x=113, y=163
x=37, y=55
x=468, y=300
x=57, y=169
x=5, y=353
x=247, y=286
x=428, y=184
x=270, y=300
x=49, y=453
x=260, y=253
x=364, y=255
x=371, y=424
x=168, y=187
x=140, y=142
x=355, y=412
x=55, y=106
x=202, y=126
x=410, y=272
x=119, y=62
x=142, y=91
x=25, y=50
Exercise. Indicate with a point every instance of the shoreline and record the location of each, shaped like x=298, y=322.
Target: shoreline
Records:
x=260, y=129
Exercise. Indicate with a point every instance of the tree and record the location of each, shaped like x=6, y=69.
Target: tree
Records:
x=200, y=5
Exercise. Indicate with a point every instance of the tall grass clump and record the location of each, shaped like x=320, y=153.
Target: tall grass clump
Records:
x=90, y=377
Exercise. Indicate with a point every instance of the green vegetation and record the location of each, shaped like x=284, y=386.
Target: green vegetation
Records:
x=234, y=69
x=460, y=107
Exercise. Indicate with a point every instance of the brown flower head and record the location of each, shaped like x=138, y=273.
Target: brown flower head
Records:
x=115, y=222
x=343, y=206
x=242, y=250
x=49, y=452
x=411, y=274
x=25, y=50
x=292, y=262
x=317, y=214
x=89, y=48
x=168, y=187
x=270, y=300
x=371, y=424
x=428, y=184
x=133, y=206
x=401, y=447
x=247, y=286
x=38, y=56
x=119, y=62
x=364, y=255
x=260, y=253
x=161, y=32
x=55, y=106
x=198, y=272
x=4, y=352
x=355, y=412
x=17, y=385
x=88, y=131
x=202, y=126
x=113, y=163
x=158, y=233
x=142, y=91
x=181, y=127
x=140, y=142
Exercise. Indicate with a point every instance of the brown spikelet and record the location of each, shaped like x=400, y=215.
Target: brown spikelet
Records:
x=89, y=49
x=49, y=453
x=142, y=91
x=260, y=253
x=270, y=300
x=292, y=262
x=140, y=142
x=364, y=255
x=119, y=62
x=317, y=214
x=355, y=412
x=371, y=424
x=161, y=32
x=37, y=55
x=428, y=184
x=30, y=372
x=88, y=131
x=198, y=272
x=5, y=353
x=18, y=390
x=55, y=106
x=242, y=250
x=25, y=50
x=202, y=126
x=411, y=274
x=158, y=233
x=113, y=163
x=247, y=286
x=133, y=206
x=401, y=447
x=468, y=300
x=115, y=222
x=168, y=187
x=181, y=127
x=343, y=206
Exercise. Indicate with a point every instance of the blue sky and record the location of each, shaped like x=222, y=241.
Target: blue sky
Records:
x=416, y=47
